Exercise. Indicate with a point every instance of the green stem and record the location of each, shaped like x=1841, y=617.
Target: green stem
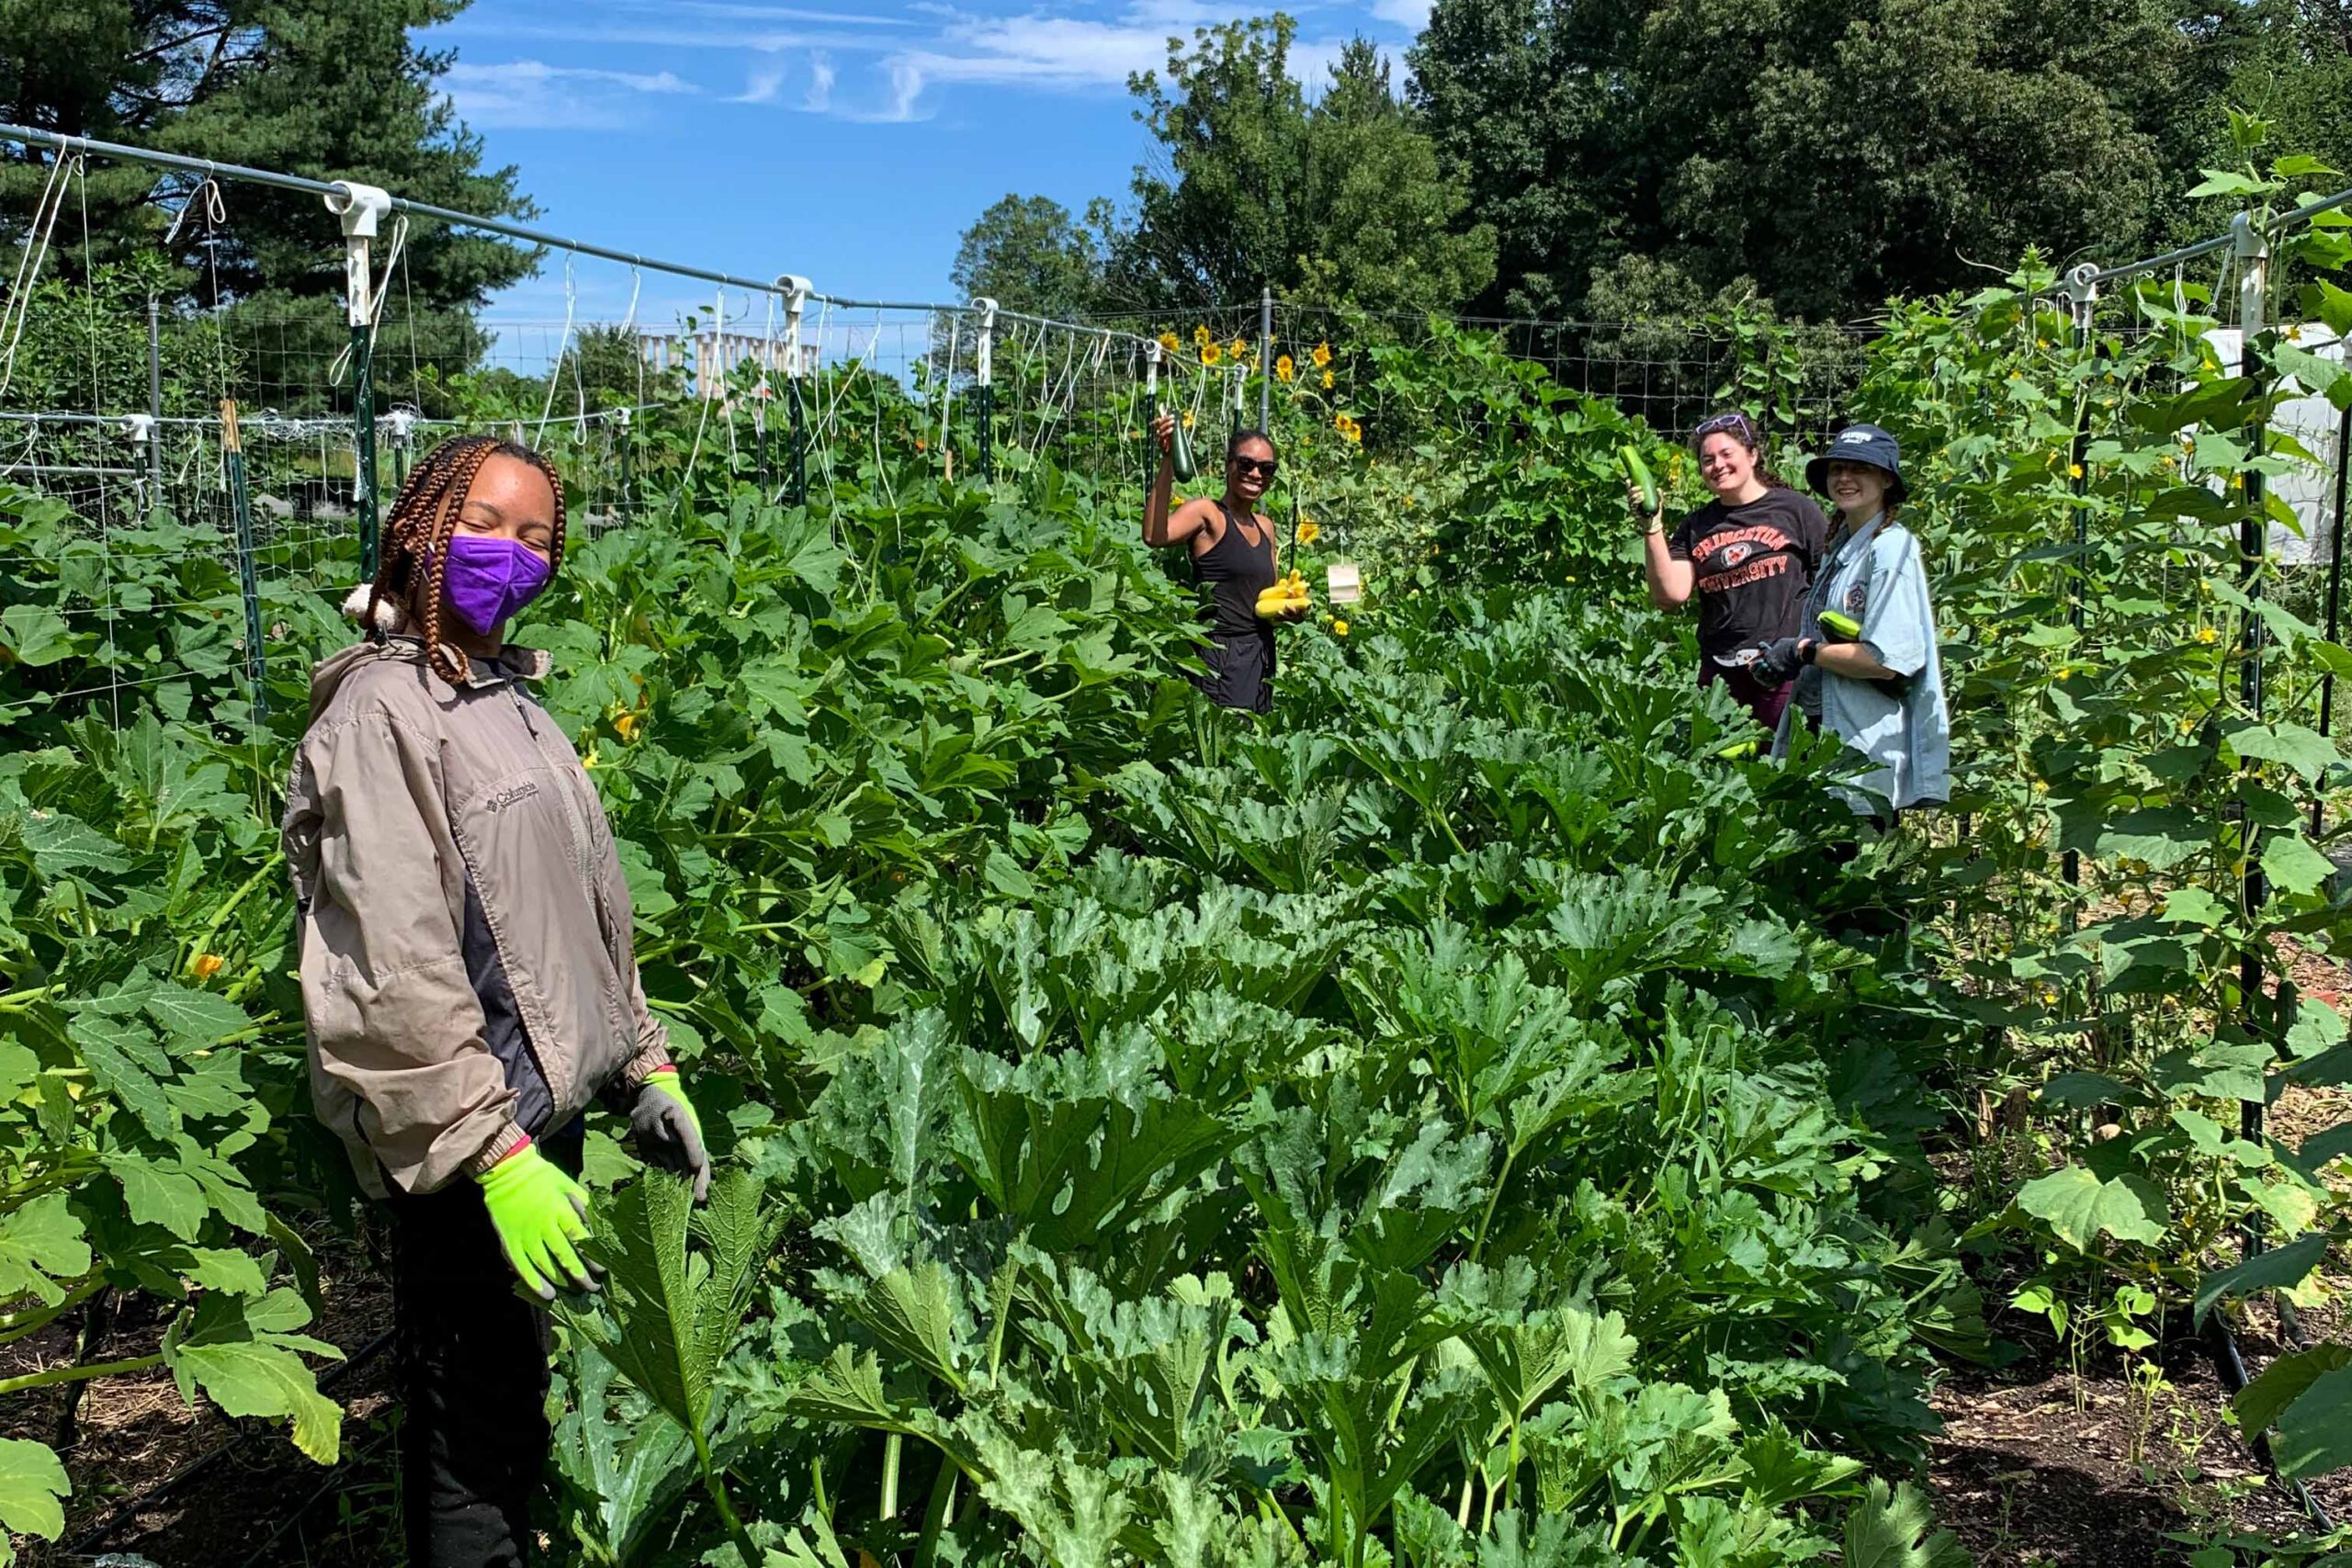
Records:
x=79, y=1374
x=935, y=1517
x=1478, y=1244
x=715, y=1484
x=17, y=1002
x=893, y=1448
x=32, y=1320
x=199, y=943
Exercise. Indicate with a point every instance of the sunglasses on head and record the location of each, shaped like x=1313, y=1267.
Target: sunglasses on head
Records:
x=1723, y=423
x=1262, y=467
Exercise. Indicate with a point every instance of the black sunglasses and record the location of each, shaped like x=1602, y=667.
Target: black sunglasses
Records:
x=1262, y=467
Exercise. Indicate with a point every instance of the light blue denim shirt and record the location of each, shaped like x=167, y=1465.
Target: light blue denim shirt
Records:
x=1874, y=575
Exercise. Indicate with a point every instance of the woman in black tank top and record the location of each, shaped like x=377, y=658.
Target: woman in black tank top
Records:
x=1233, y=559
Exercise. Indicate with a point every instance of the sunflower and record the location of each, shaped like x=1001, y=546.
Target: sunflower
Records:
x=1309, y=531
x=1327, y=381
x=1211, y=353
x=1343, y=424
x=1170, y=341
x=1322, y=355
x=1284, y=370
x=1201, y=336
x=1237, y=348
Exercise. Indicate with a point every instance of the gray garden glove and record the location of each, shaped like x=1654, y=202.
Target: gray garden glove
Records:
x=1776, y=663
x=668, y=1131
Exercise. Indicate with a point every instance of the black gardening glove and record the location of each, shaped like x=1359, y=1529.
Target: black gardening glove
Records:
x=1776, y=663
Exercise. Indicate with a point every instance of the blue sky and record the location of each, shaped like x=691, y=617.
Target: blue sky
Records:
x=845, y=141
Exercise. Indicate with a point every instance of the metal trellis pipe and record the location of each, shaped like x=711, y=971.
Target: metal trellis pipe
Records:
x=2335, y=593
x=248, y=589
x=2082, y=299
x=2254, y=533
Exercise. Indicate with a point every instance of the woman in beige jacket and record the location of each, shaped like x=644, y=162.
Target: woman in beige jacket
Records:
x=468, y=979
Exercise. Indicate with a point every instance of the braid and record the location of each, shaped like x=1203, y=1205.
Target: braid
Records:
x=416, y=535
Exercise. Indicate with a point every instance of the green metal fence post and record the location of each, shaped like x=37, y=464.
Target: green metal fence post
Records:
x=2252, y=245
x=248, y=588
x=2081, y=297
x=360, y=208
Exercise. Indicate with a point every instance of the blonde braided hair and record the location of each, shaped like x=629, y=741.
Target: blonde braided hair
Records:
x=416, y=535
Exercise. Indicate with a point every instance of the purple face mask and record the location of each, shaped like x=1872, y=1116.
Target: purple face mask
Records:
x=490, y=580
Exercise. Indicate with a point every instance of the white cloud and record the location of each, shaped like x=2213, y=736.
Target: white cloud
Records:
x=906, y=87
x=1412, y=15
x=1075, y=52
x=775, y=13
x=531, y=95
x=763, y=87
x=820, y=82
x=1037, y=50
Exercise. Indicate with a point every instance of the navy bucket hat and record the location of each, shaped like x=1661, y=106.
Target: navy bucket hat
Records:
x=1860, y=444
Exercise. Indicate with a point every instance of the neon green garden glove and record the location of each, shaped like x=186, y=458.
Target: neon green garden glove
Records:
x=540, y=1216
x=668, y=1131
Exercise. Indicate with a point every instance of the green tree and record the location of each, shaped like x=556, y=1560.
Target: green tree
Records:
x=332, y=89
x=1341, y=201
x=1835, y=151
x=1028, y=253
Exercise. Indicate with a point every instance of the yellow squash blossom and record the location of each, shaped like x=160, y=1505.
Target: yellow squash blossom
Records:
x=625, y=725
x=1188, y=419
x=2073, y=470
x=1322, y=355
x=1339, y=629
x=1309, y=531
x=1284, y=370
x=2207, y=635
x=207, y=965
x=1211, y=353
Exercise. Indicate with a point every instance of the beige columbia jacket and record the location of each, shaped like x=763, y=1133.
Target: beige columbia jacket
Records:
x=447, y=848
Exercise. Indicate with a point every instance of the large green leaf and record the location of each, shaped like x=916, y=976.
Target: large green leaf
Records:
x=2081, y=1208
x=247, y=1356
x=32, y=1483
x=2273, y=1268
x=1896, y=1531
x=2282, y=1383
x=2314, y=1433
x=40, y=1244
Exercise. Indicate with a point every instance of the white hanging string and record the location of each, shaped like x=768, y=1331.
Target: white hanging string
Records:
x=570, y=306
x=18, y=307
x=701, y=388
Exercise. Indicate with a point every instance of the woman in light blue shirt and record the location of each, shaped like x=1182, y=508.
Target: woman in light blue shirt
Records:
x=1864, y=659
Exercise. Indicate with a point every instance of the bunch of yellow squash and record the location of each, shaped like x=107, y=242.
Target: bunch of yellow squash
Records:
x=1287, y=596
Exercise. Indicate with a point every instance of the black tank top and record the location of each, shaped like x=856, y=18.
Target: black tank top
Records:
x=1236, y=571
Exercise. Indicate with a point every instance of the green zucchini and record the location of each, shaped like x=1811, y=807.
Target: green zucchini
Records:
x=1639, y=473
x=1839, y=628
x=1179, y=456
